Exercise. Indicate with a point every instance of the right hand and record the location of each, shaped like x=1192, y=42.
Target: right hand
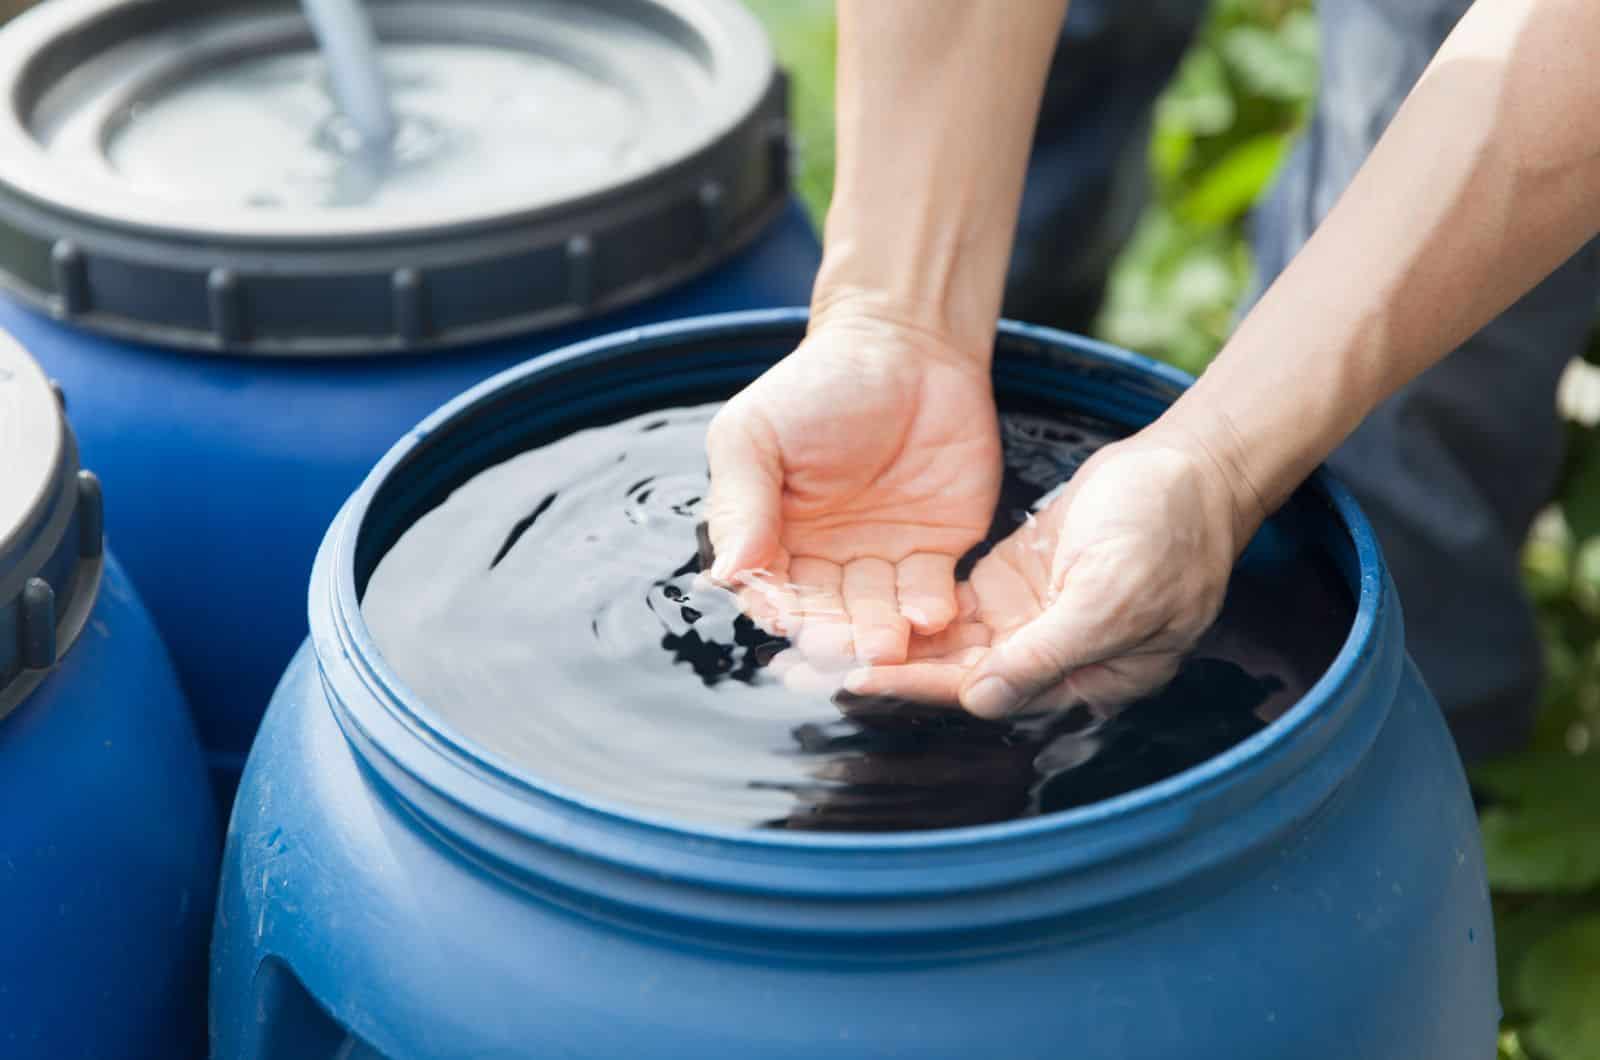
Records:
x=1095, y=600
x=848, y=480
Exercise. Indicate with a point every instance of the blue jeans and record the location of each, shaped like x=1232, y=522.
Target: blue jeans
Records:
x=1451, y=469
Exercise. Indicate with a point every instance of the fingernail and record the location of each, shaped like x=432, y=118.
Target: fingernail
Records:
x=993, y=697
x=915, y=615
x=856, y=680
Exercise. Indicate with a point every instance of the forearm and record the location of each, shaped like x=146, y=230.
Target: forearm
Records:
x=1487, y=179
x=937, y=101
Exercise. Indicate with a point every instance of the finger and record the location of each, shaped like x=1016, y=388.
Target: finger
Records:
x=744, y=508
x=954, y=638
x=762, y=610
x=768, y=598
x=780, y=664
x=1107, y=686
x=966, y=602
x=807, y=679
x=798, y=674
x=821, y=628
x=926, y=585
x=1006, y=598
x=877, y=628
x=777, y=591
x=919, y=682
x=1037, y=657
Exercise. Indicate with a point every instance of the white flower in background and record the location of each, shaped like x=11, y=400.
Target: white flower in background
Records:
x=1578, y=395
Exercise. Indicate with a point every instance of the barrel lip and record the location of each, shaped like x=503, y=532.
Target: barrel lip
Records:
x=1167, y=826
x=81, y=242
x=734, y=37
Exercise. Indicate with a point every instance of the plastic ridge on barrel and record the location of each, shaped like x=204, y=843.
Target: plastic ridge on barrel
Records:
x=410, y=307
x=72, y=283
x=91, y=516
x=580, y=270
x=38, y=625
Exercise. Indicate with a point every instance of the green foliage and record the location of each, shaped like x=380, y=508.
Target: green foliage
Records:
x=1549, y=951
x=804, y=37
x=1222, y=129
x=1554, y=984
x=1543, y=834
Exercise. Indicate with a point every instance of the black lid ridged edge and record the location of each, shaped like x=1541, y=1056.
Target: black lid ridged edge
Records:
x=50, y=577
x=415, y=292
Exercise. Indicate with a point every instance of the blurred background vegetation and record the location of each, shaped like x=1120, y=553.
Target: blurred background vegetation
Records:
x=1223, y=126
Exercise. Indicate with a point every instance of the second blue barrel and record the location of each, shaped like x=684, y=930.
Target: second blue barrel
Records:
x=108, y=841
x=247, y=308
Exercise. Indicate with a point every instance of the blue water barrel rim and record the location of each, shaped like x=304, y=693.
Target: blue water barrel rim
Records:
x=405, y=742
x=90, y=252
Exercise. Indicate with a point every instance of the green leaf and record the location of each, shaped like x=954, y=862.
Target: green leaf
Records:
x=1559, y=980
x=1171, y=148
x=1275, y=65
x=1198, y=101
x=1228, y=189
x=1586, y=577
x=1546, y=834
x=1546, y=570
x=1521, y=923
x=1511, y=1046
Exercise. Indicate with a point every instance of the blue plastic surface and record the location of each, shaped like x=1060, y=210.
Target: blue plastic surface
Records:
x=390, y=890
x=108, y=852
x=221, y=474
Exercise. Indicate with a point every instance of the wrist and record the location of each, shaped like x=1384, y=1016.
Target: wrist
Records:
x=893, y=322
x=1208, y=437
x=915, y=264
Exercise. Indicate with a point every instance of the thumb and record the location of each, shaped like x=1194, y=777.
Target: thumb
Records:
x=1033, y=660
x=743, y=513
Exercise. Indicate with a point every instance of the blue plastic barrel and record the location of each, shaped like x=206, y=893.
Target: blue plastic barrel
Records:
x=108, y=842
x=392, y=890
x=238, y=371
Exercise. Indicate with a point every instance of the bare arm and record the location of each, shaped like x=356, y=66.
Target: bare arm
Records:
x=1487, y=179
x=1485, y=182
x=937, y=101
x=856, y=473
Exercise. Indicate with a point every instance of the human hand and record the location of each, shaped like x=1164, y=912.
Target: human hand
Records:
x=848, y=480
x=1097, y=599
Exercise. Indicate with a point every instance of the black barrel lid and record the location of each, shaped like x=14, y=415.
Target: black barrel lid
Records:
x=173, y=171
x=50, y=528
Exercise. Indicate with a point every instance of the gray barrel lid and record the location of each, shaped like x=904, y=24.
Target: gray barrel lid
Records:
x=171, y=171
x=50, y=528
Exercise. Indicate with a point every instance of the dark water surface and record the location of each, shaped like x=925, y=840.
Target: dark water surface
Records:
x=549, y=611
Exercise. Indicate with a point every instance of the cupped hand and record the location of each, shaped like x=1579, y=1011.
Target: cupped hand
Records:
x=848, y=480
x=1096, y=599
